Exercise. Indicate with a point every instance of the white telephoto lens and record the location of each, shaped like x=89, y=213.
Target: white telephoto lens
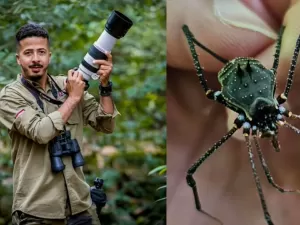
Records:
x=105, y=42
x=116, y=27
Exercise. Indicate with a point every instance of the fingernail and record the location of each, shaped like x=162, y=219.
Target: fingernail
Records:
x=235, y=13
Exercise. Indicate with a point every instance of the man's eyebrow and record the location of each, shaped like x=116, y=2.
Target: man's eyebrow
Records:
x=31, y=49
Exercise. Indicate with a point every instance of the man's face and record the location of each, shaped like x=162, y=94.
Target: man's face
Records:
x=34, y=57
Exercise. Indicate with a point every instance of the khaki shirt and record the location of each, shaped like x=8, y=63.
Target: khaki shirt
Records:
x=36, y=190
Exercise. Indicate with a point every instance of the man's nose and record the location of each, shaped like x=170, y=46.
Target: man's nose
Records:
x=35, y=57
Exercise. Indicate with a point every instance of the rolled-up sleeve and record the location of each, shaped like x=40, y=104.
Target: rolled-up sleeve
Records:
x=96, y=117
x=17, y=114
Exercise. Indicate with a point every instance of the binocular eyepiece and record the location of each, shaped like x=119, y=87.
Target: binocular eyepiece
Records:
x=63, y=145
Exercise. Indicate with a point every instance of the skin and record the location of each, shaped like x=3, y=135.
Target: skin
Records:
x=225, y=183
x=106, y=67
x=35, y=51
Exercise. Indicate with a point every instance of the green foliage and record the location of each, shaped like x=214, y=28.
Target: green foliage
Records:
x=139, y=93
x=133, y=195
x=160, y=170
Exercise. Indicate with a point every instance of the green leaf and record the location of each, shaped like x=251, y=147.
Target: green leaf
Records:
x=157, y=169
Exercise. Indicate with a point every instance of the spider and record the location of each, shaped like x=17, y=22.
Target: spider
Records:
x=247, y=88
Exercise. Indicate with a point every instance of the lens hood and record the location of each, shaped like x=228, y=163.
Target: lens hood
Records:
x=117, y=24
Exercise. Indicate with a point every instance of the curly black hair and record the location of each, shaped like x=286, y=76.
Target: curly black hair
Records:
x=31, y=30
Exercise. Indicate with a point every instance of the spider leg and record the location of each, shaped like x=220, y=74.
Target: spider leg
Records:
x=286, y=124
x=275, y=143
x=285, y=112
x=189, y=177
x=277, y=54
x=221, y=59
x=211, y=94
x=283, y=97
x=277, y=51
x=266, y=169
x=295, y=116
x=291, y=115
x=257, y=182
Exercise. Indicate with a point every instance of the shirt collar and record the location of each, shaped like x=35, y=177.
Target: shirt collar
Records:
x=37, y=85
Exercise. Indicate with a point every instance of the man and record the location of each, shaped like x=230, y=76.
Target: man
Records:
x=40, y=195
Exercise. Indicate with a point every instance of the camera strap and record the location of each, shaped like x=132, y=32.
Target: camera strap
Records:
x=38, y=94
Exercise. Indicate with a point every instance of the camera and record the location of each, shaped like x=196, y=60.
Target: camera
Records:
x=98, y=196
x=63, y=145
x=116, y=27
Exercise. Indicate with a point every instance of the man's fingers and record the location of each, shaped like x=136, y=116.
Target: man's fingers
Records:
x=290, y=35
x=109, y=57
x=65, y=83
x=101, y=62
x=105, y=68
x=79, y=76
x=227, y=41
x=188, y=214
x=70, y=73
x=75, y=76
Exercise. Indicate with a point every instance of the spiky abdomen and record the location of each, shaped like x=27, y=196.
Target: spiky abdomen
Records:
x=243, y=81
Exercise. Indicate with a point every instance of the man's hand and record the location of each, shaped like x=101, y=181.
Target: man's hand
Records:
x=105, y=69
x=75, y=88
x=75, y=85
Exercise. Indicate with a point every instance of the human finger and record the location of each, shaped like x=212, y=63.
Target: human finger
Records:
x=101, y=62
x=190, y=218
x=70, y=73
x=229, y=39
x=188, y=213
x=104, y=68
x=270, y=11
x=109, y=57
x=289, y=39
x=79, y=76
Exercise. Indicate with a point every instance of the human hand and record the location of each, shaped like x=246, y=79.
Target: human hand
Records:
x=105, y=69
x=75, y=85
x=225, y=181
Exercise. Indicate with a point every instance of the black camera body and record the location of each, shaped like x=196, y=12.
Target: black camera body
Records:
x=98, y=195
x=63, y=145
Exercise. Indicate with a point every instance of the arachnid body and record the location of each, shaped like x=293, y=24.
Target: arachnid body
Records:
x=248, y=88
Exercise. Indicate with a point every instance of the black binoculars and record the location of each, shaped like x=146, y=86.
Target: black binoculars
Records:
x=63, y=145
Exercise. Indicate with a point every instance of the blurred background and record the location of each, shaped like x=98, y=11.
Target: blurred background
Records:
x=132, y=159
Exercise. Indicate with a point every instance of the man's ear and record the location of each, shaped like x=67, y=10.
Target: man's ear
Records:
x=18, y=58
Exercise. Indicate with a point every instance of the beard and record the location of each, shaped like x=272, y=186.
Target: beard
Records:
x=35, y=77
